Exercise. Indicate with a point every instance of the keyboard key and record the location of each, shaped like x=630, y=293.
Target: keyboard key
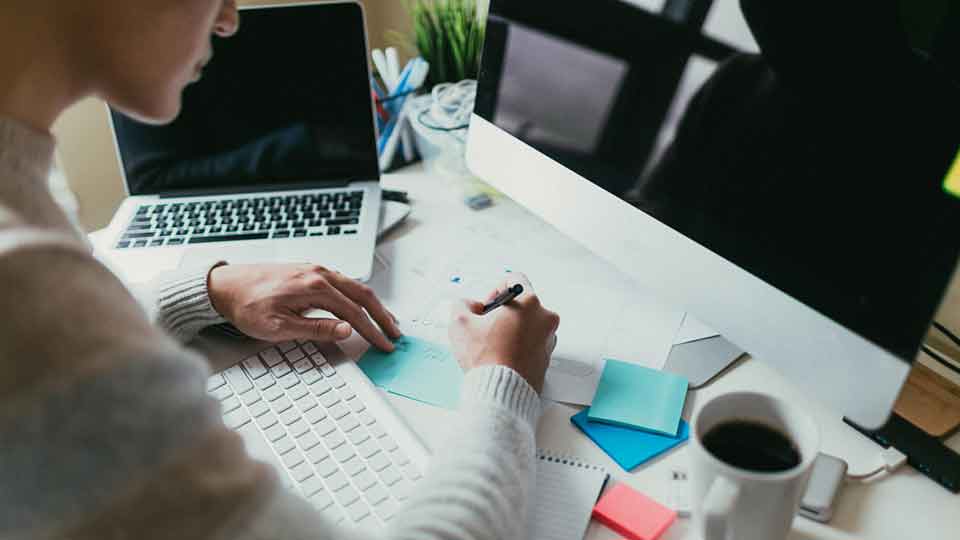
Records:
x=274, y=433
x=258, y=409
x=338, y=411
x=357, y=436
x=347, y=394
x=348, y=423
x=222, y=393
x=301, y=472
x=337, y=381
x=386, y=509
x=254, y=367
x=367, y=449
x=302, y=365
x=288, y=381
x=391, y=446
x=311, y=485
x=376, y=494
x=308, y=441
x=365, y=480
x=265, y=382
x=298, y=391
x=238, y=379
x=334, y=440
x=287, y=346
x=366, y=418
x=357, y=405
x=295, y=355
x=311, y=376
x=298, y=428
x=236, y=418
x=379, y=462
x=354, y=467
x=402, y=490
x=229, y=237
x=378, y=431
x=273, y=393
x=283, y=445
x=292, y=457
x=280, y=369
x=230, y=404
x=315, y=415
x=343, y=453
x=411, y=472
x=250, y=398
x=215, y=381
x=267, y=420
x=282, y=404
x=325, y=427
x=289, y=416
x=320, y=387
x=348, y=496
x=337, y=481
x=358, y=511
x=327, y=370
x=310, y=348
x=317, y=454
x=390, y=476
x=329, y=399
x=271, y=357
x=321, y=500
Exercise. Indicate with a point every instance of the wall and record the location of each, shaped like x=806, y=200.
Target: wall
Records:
x=86, y=152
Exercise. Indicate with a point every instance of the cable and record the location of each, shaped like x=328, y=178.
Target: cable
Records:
x=893, y=459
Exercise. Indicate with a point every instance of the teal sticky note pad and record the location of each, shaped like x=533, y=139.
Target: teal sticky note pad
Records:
x=628, y=447
x=633, y=396
x=418, y=370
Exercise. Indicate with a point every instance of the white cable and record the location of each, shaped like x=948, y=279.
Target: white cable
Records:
x=893, y=459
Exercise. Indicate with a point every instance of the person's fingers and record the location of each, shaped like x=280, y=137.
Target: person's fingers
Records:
x=551, y=345
x=367, y=299
x=324, y=330
x=332, y=300
x=515, y=278
x=464, y=309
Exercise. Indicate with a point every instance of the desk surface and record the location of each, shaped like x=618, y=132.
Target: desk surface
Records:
x=903, y=505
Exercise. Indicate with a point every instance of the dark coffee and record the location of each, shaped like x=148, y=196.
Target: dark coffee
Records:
x=752, y=446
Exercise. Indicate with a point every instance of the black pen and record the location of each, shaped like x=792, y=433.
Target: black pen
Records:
x=503, y=298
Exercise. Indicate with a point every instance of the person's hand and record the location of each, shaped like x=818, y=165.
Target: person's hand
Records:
x=521, y=334
x=267, y=301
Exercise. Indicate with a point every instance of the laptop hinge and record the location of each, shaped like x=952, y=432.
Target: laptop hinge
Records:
x=252, y=189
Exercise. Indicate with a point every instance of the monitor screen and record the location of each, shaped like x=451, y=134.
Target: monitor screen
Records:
x=806, y=144
x=284, y=102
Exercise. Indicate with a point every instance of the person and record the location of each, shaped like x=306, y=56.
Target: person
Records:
x=106, y=428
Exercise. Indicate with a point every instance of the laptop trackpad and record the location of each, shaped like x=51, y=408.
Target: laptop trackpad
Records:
x=247, y=253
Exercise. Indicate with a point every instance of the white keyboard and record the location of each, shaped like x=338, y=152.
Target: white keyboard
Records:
x=331, y=436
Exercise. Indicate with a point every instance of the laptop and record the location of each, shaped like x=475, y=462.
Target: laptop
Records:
x=272, y=159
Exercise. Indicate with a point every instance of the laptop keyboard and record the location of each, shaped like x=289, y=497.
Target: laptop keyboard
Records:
x=248, y=218
x=297, y=413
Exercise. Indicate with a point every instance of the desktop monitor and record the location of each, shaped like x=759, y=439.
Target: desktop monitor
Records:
x=776, y=168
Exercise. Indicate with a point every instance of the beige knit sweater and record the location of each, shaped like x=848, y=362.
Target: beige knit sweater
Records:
x=106, y=431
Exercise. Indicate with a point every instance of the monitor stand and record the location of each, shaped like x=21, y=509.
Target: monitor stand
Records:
x=702, y=360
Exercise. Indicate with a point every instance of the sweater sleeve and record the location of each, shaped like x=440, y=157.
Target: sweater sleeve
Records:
x=478, y=484
x=181, y=303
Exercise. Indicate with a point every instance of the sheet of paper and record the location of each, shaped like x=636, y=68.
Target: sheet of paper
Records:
x=693, y=330
x=418, y=370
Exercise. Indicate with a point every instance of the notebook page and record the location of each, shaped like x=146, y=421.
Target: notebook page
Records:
x=566, y=491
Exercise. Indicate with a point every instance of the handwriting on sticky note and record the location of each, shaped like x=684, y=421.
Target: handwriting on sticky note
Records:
x=418, y=370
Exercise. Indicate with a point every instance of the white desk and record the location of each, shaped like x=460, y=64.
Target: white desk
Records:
x=904, y=505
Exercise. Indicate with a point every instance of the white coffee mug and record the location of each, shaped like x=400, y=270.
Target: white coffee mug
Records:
x=733, y=503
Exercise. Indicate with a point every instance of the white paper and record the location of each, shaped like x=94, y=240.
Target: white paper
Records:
x=693, y=330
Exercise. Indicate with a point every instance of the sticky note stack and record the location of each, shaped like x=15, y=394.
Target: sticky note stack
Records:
x=628, y=447
x=637, y=397
x=632, y=514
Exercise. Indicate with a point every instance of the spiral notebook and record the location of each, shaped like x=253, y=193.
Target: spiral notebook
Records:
x=567, y=489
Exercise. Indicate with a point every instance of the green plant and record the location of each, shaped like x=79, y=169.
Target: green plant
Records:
x=449, y=35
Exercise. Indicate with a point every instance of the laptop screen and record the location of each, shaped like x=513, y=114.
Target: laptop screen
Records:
x=284, y=103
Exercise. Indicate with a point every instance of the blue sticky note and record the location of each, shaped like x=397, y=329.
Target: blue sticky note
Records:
x=628, y=447
x=418, y=370
x=633, y=396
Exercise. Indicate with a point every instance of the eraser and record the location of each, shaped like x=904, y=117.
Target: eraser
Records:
x=632, y=514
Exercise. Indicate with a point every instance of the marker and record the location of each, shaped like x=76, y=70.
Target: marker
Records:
x=503, y=298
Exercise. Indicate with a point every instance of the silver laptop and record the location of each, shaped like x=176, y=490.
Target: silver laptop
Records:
x=272, y=159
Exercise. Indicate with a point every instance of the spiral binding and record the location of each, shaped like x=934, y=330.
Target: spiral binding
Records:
x=566, y=459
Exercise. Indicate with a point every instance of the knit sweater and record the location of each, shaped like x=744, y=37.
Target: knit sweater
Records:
x=106, y=430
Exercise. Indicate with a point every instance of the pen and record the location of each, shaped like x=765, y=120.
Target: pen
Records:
x=503, y=298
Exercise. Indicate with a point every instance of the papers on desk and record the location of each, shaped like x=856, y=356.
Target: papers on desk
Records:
x=693, y=330
x=566, y=492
